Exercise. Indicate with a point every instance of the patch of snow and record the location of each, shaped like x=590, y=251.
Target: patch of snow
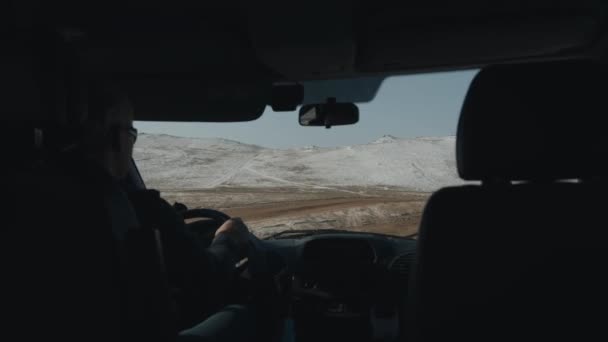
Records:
x=385, y=139
x=419, y=164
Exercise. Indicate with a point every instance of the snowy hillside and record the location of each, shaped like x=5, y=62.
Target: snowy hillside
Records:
x=421, y=164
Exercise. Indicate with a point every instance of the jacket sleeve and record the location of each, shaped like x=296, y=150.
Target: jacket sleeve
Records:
x=201, y=277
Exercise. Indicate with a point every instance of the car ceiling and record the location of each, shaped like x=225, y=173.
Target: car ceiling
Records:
x=255, y=42
x=321, y=40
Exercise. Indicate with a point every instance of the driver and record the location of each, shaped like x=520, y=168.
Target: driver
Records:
x=201, y=277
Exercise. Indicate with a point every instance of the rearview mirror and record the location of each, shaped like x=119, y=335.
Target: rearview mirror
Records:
x=329, y=114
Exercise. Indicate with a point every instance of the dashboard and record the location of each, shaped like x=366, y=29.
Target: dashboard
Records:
x=346, y=286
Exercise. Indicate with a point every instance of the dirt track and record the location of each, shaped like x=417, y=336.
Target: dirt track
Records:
x=266, y=211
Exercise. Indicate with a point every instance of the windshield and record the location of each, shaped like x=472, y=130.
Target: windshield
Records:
x=374, y=176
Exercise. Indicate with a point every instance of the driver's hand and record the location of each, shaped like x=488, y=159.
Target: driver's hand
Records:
x=236, y=230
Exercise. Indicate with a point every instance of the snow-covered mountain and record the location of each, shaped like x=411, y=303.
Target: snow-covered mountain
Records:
x=420, y=164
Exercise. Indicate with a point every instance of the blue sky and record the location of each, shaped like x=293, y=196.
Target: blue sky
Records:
x=405, y=106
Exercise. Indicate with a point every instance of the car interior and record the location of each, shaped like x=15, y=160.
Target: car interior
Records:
x=516, y=254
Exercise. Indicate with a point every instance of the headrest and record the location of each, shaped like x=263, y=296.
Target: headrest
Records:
x=535, y=122
x=20, y=142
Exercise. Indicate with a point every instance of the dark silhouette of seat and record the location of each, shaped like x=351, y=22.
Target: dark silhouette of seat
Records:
x=522, y=255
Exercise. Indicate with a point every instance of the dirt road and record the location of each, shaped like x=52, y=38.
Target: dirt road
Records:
x=266, y=211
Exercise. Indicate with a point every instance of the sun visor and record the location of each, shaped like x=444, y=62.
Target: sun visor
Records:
x=197, y=101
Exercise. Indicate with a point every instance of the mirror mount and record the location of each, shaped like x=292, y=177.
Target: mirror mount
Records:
x=330, y=103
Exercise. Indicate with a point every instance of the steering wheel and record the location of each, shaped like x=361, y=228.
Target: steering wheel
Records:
x=208, y=213
x=205, y=232
x=205, y=229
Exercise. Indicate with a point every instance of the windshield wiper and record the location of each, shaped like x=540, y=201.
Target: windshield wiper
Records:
x=288, y=234
x=297, y=233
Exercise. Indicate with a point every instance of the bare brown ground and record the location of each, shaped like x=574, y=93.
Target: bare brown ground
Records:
x=266, y=211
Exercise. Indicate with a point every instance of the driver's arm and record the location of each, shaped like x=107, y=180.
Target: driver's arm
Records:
x=203, y=276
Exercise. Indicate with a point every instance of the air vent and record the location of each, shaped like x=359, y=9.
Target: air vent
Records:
x=401, y=266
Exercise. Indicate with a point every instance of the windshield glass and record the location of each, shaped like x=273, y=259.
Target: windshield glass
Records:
x=374, y=176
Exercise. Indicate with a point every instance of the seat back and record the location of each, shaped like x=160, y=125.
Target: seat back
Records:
x=65, y=275
x=520, y=256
